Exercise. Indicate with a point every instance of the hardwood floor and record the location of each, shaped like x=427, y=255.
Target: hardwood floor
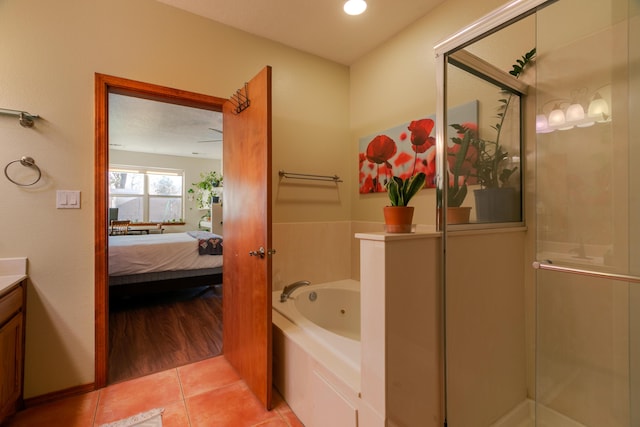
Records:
x=149, y=334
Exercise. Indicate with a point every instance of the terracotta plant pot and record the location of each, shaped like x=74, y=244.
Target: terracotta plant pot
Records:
x=459, y=215
x=456, y=215
x=398, y=219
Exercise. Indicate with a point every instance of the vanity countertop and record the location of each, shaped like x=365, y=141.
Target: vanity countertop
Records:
x=12, y=271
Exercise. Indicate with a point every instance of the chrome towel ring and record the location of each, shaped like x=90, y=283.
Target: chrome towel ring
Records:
x=27, y=162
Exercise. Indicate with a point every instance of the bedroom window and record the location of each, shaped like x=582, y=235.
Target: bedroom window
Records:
x=147, y=195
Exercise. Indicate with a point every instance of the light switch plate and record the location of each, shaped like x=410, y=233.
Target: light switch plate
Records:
x=68, y=199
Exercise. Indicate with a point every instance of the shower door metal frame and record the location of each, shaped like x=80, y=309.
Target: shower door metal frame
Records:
x=489, y=24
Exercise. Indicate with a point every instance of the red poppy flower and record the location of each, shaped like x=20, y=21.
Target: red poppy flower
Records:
x=431, y=141
x=466, y=168
x=473, y=127
x=381, y=149
x=420, y=131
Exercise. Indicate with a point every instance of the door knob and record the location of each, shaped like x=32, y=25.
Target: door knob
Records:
x=260, y=252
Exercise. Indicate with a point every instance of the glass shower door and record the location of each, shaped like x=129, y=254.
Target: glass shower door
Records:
x=588, y=214
x=488, y=364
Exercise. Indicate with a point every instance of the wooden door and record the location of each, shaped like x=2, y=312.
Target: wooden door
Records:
x=247, y=228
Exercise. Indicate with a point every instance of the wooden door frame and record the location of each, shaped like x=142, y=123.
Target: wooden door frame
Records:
x=105, y=84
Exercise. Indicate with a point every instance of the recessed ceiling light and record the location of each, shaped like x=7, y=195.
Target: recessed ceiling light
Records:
x=355, y=7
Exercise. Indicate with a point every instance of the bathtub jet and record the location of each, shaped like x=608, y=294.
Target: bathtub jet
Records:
x=286, y=292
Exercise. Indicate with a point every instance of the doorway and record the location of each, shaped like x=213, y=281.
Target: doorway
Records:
x=106, y=85
x=247, y=290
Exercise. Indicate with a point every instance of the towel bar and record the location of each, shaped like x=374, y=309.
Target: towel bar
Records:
x=292, y=175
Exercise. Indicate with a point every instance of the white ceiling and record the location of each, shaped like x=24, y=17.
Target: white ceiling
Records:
x=319, y=27
x=147, y=126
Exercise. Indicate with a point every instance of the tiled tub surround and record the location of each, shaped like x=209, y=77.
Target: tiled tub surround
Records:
x=314, y=251
x=321, y=251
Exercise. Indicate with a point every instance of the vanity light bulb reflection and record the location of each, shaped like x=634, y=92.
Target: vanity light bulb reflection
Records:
x=556, y=117
x=598, y=109
x=574, y=113
x=542, y=124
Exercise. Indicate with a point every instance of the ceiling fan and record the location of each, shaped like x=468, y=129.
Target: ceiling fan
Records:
x=213, y=140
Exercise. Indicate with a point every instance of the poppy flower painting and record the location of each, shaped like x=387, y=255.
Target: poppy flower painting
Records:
x=405, y=150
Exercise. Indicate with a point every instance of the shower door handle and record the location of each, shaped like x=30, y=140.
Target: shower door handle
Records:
x=548, y=265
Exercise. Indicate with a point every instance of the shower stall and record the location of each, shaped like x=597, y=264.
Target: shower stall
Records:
x=542, y=306
x=588, y=212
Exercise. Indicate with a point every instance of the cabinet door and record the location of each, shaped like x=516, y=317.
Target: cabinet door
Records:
x=10, y=366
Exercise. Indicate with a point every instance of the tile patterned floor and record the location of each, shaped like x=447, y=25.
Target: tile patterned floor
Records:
x=203, y=394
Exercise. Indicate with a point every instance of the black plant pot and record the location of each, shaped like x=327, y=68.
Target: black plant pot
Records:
x=497, y=205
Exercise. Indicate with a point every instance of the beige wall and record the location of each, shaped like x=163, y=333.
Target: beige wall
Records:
x=49, y=52
x=396, y=83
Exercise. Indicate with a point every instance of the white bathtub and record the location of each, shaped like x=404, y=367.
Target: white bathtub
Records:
x=316, y=358
x=332, y=317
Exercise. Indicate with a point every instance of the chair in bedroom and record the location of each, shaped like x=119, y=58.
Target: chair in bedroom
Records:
x=119, y=227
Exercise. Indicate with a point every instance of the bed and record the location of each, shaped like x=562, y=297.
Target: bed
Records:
x=159, y=262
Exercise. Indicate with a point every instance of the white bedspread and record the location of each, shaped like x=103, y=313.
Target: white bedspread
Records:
x=145, y=253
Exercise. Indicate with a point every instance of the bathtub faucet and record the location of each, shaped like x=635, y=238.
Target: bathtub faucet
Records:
x=292, y=287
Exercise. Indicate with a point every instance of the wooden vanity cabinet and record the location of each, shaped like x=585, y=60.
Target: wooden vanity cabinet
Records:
x=12, y=319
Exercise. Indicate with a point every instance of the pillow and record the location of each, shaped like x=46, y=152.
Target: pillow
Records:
x=212, y=246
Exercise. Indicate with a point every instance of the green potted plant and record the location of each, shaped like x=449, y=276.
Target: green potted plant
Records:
x=399, y=216
x=486, y=163
x=460, y=158
x=496, y=200
x=406, y=179
x=205, y=188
